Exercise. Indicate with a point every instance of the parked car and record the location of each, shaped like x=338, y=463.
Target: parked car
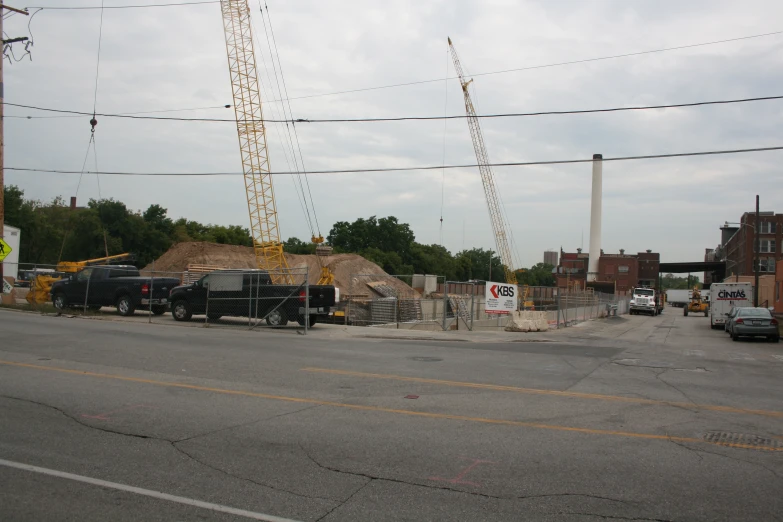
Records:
x=751, y=322
x=120, y=286
x=729, y=317
x=250, y=293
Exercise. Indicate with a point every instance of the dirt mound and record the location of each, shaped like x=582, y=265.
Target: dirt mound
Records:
x=345, y=267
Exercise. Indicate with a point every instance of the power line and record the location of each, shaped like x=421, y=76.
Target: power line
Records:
x=80, y=8
x=124, y=113
x=544, y=66
x=414, y=118
x=406, y=169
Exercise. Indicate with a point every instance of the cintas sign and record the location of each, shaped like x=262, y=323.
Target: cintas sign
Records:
x=500, y=298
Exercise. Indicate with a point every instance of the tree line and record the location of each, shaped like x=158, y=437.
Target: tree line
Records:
x=52, y=232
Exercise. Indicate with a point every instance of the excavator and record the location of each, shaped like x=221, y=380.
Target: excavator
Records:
x=42, y=284
x=251, y=131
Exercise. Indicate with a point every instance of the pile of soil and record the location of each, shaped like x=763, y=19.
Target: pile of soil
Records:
x=345, y=267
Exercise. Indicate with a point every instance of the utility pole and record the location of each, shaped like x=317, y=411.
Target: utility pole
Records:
x=756, y=249
x=2, y=124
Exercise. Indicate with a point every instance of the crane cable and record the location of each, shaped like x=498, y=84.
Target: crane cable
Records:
x=277, y=123
x=290, y=112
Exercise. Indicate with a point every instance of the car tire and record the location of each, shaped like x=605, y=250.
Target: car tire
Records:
x=734, y=336
x=181, y=311
x=159, y=309
x=277, y=318
x=125, y=305
x=775, y=339
x=59, y=301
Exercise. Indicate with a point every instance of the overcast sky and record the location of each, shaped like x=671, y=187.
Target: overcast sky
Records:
x=174, y=58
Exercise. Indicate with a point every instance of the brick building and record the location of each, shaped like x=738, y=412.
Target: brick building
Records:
x=739, y=249
x=624, y=270
x=778, y=298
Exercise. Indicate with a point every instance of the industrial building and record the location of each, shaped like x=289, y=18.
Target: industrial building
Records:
x=550, y=257
x=624, y=271
x=737, y=240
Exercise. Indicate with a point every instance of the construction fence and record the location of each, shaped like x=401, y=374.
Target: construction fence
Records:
x=381, y=301
x=244, y=298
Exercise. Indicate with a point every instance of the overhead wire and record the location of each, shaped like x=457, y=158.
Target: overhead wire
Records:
x=122, y=113
x=134, y=6
x=543, y=66
x=284, y=146
x=428, y=167
x=290, y=112
x=284, y=92
x=417, y=118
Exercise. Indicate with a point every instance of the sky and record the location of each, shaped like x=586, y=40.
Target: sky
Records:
x=168, y=58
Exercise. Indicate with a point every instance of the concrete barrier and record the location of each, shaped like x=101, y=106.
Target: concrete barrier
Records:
x=526, y=321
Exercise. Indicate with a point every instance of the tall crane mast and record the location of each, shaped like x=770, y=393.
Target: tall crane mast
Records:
x=487, y=178
x=252, y=140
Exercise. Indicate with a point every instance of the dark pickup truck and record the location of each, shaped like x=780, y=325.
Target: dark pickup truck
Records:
x=249, y=293
x=120, y=286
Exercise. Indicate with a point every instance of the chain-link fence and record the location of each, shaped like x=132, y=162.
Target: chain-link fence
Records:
x=242, y=297
x=256, y=298
x=399, y=301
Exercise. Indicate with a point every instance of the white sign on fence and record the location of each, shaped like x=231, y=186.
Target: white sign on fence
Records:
x=501, y=298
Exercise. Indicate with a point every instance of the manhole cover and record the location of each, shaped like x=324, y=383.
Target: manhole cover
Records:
x=725, y=438
x=425, y=359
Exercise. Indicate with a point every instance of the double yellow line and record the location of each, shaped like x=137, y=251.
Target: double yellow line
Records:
x=359, y=407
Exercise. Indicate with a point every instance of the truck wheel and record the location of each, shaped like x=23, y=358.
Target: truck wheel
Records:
x=277, y=318
x=301, y=320
x=181, y=311
x=685, y=311
x=706, y=314
x=60, y=302
x=125, y=306
x=159, y=309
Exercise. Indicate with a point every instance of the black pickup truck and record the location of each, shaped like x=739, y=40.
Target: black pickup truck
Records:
x=249, y=293
x=120, y=286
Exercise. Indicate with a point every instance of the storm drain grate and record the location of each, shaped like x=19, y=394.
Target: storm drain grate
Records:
x=725, y=438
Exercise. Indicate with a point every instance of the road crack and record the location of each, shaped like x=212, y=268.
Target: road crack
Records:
x=612, y=517
x=341, y=504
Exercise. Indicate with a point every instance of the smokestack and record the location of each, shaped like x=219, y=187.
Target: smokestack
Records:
x=73, y=203
x=595, y=219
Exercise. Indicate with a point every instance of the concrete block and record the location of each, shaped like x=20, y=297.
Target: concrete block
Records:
x=527, y=321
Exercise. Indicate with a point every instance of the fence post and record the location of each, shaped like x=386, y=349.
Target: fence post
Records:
x=152, y=288
x=206, y=311
x=445, y=302
x=307, y=300
x=87, y=295
x=250, y=302
x=472, y=300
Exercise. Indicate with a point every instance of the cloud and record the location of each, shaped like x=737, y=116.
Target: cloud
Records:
x=175, y=58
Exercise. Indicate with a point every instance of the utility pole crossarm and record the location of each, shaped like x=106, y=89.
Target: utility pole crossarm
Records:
x=487, y=177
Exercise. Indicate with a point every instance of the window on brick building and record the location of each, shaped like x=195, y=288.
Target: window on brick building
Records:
x=767, y=264
x=766, y=227
x=622, y=269
x=767, y=246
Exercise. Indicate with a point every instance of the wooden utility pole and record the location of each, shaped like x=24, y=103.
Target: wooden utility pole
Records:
x=2, y=124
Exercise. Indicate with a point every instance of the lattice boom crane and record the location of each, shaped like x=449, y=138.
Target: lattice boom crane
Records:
x=252, y=140
x=487, y=178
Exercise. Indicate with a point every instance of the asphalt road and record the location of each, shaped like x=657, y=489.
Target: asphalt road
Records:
x=637, y=418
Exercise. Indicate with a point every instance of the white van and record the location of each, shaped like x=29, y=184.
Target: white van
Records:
x=725, y=296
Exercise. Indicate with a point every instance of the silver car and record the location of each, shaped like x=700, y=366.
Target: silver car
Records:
x=751, y=322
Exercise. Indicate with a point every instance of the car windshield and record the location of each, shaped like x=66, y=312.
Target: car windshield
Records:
x=754, y=312
x=643, y=291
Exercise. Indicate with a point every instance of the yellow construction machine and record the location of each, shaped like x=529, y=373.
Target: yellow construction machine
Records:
x=696, y=305
x=41, y=285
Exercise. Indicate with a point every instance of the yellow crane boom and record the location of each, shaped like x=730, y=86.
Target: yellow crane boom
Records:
x=252, y=140
x=487, y=178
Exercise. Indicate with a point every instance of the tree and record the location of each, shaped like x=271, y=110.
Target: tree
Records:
x=294, y=245
x=539, y=274
x=478, y=262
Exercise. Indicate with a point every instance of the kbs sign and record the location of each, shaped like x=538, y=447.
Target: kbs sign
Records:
x=501, y=298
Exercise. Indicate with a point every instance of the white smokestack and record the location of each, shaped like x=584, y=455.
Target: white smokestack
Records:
x=595, y=219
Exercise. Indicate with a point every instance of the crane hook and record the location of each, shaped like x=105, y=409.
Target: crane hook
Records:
x=93, y=122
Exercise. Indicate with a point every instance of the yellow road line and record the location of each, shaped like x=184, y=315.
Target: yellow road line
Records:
x=536, y=391
x=359, y=407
